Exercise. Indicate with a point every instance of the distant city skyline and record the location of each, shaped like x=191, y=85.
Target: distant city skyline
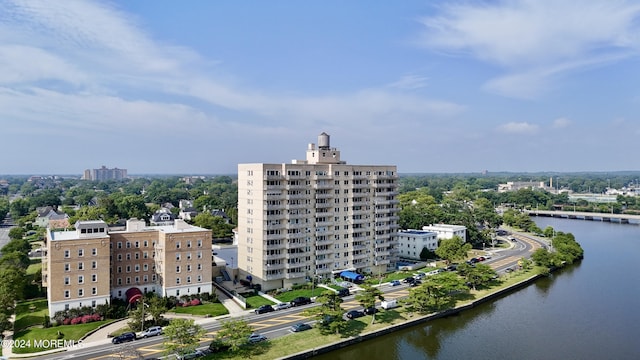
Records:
x=430, y=86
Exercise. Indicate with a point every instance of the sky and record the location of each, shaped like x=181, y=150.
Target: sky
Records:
x=174, y=87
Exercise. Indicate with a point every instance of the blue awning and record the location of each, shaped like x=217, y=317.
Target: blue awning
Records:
x=352, y=276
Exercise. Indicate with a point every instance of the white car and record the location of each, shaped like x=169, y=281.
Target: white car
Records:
x=256, y=338
x=282, y=306
x=152, y=331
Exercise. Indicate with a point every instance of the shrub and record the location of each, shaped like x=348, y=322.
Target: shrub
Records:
x=194, y=302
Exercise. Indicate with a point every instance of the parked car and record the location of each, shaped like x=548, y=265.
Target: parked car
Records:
x=395, y=283
x=281, y=306
x=408, y=280
x=300, y=300
x=343, y=292
x=481, y=258
x=353, y=314
x=124, y=337
x=256, y=338
x=300, y=327
x=264, y=309
x=452, y=267
x=192, y=355
x=370, y=310
x=152, y=331
x=415, y=283
x=474, y=260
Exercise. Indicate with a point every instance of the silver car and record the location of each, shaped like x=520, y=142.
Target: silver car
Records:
x=282, y=306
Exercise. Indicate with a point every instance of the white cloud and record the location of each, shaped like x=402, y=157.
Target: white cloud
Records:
x=518, y=128
x=561, y=123
x=535, y=40
x=410, y=82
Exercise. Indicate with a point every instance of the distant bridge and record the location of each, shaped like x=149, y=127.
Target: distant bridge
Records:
x=579, y=215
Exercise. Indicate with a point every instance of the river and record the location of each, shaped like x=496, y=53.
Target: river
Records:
x=586, y=311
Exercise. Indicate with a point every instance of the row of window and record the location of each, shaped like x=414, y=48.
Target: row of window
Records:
x=145, y=243
x=67, y=266
x=145, y=279
x=67, y=253
x=67, y=279
x=67, y=293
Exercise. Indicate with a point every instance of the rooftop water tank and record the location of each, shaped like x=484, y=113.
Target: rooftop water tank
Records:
x=323, y=141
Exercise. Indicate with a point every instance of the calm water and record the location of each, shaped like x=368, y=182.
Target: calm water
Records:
x=588, y=311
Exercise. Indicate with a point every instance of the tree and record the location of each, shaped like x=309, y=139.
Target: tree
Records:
x=436, y=293
x=234, y=333
x=478, y=275
x=181, y=336
x=548, y=232
x=453, y=249
x=329, y=314
x=219, y=228
x=368, y=297
x=157, y=306
x=16, y=233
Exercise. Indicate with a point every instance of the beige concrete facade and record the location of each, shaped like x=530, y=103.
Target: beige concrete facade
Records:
x=315, y=218
x=92, y=264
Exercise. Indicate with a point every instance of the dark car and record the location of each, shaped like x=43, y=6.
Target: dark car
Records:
x=353, y=314
x=415, y=283
x=452, y=267
x=264, y=309
x=409, y=280
x=124, y=337
x=300, y=300
x=342, y=292
x=300, y=327
x=370, y=310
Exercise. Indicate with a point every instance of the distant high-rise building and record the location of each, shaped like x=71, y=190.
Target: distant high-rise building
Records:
x=103, y=174
x=314, y=218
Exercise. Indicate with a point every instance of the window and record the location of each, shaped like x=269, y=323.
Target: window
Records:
x=67, y=280
x=199, y=278
x=177, y=244
x=128, y=245
x=80, y=266
x=137, y=256
x=128, y=268
x=153, y=277
x=188, y=243
x=80, y=279
x=66, y=307
x=178, y=268
x=80, y=292
x=119, y=282
x=199, y=242
x=67, y=254
x=137, y=279
x=119, y=257
x=145, y=278
x=128, y=256
x=145, y=267
x=94, y=277
x=93, y=302
x=199, y=253
x=94, y=251
x=119, y=244
x=177, y=281
x=145, y=255
x=188, y=256
x=94, y=264
x=188, y=267
x=94, y=291
x=67, y=294
x=199, y=266
x=128, y=280
x=145, y=243
x=80, y=252
x=137, y=244
x=178, y=257
x=137, y=268
x=188, y=279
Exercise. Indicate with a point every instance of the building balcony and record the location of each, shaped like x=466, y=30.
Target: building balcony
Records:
x=324, y=233
x=294, y=275
x=382, y=262
x=324, y=196
x=273, y=237
x=362, y=255
x=321, y=205
x=324, y=252
x=323, y=186
x=274, y=277
x=324, y=261
x=296, y=245
x=273, y=177
x=273, y=257
x=295, y=196
x=326, y=241
x=323, y=223
x=280, y=246
x=296, y=206
x=323, y=271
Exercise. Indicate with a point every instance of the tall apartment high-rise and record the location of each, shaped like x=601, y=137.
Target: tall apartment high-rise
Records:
x=92, y=264
x=314, y=218
x=104, y=173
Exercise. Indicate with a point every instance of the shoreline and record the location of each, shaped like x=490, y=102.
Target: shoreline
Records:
x=412, y=322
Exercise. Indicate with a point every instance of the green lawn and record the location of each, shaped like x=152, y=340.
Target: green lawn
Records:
x=211, y=309
x=290, y=295
x=30, y=313
x=34, y=267
x=255, y=300
x=31, y=336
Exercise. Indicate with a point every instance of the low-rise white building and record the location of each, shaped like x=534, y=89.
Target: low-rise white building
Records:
x=446, y=231
x=411, y=242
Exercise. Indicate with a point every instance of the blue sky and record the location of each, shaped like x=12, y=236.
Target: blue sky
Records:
x=430, y=86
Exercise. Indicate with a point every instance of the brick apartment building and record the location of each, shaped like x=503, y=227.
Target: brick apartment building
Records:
x=92, y=264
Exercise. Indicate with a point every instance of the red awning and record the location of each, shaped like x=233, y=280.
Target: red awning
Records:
x=133, y=294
